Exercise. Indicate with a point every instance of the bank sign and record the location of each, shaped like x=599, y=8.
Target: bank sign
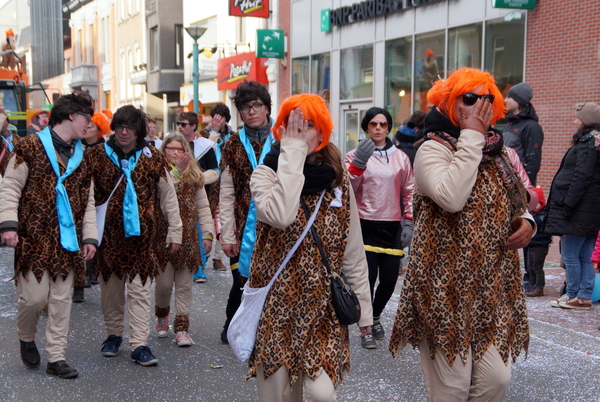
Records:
x=366, y=10
x=519, y=4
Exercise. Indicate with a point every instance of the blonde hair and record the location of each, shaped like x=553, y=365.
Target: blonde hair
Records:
x=192, y=173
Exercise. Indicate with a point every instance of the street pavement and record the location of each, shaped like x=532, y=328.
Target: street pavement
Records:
x=563, y=362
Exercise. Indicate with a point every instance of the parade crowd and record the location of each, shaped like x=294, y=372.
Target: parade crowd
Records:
x=99, y=198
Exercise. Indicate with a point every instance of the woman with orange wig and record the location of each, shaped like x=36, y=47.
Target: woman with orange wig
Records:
x=300, y=342
x=462, y=301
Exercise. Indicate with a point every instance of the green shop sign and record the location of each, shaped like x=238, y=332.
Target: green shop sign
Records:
x=520, y=4
x=270, y=43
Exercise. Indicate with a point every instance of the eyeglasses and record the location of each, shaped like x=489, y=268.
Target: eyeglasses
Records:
x=129, y=129
x=182, y=124
x=257, y=107
x=87, y=116
x=175, y=149
x=382, y=124
x=470, y=98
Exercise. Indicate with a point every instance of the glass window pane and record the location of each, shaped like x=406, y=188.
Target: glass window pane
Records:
x=398, y=77
x=356, y=76
x=429, y=63
x=504, y=41
x=320, y=75
x=464, y=47
x=300, y=75
x=351, y=130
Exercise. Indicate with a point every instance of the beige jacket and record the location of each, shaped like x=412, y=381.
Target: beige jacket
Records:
x=202, y=211
x=170, y=209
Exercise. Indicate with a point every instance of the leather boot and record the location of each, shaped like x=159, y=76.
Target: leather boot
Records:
x=78, y=294
x=61, y=369
x=29, y=354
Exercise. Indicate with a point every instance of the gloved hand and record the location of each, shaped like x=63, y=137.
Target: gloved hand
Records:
x=363, y=153
x=408, y=229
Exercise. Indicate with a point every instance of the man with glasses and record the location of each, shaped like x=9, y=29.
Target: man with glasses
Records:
x=47, y=214
x=241, y=154
x=134, y=189
x=205, y=157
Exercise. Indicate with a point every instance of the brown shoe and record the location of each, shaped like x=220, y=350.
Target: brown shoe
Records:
x=219, y=266
x=537, y=292
x=577, y=304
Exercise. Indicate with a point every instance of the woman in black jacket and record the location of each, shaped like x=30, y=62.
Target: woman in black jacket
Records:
x=573, y=208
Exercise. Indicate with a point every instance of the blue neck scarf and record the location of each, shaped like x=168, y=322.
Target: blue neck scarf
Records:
x=66, y=223
x=218, y=147
x=249, y=236
x=9, y=142
x=131, y=214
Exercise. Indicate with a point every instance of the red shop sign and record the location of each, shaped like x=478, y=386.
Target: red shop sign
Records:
x=249, y=8
x=232, y=71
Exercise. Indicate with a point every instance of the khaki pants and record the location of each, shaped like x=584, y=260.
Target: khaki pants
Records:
x=183, y=280
x=277, y=387
x=487, y=380
x=33, y=297
x=112, y=299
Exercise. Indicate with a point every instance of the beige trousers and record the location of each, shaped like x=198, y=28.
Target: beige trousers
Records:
x=33, y=297
x=183, y=280
x=486, y=381
x=277, y=387
x=112, y=299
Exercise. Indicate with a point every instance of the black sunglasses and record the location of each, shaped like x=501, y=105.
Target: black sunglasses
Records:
x=179, y=123
x=470, y=98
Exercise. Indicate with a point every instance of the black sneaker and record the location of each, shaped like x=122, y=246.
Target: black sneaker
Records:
x=110, y=347
x=78, y=295
x=224, y=333
x=29, y=354
x=377, y=330
x=143, y=355
x=61, y=369
x=368, y=342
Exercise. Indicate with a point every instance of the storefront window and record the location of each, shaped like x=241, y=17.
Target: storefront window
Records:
x=398, y=78
x=464, y=47
x=504, y=52
x=300, y=75
x=356, y=75
x=429, y=64
x=320, y=75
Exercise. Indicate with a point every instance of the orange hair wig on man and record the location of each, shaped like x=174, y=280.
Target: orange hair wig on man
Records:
x=100, y=121
x=444, y=93
x=314, y=109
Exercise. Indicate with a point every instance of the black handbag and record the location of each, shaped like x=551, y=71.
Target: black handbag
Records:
x=344, y=300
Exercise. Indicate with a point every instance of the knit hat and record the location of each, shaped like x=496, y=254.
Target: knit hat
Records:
x=588, y=113
x=409, y=129
x=522, y=93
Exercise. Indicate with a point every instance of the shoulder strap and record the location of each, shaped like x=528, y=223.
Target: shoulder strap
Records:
x=302, y=236
x=316, y=237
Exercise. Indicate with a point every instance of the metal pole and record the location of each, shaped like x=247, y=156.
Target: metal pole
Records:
x=195, y=75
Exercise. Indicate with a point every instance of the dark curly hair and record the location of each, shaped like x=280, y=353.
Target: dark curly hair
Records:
x=69, y=104
x=222, y=110
x=248, y=91
x=129, y=115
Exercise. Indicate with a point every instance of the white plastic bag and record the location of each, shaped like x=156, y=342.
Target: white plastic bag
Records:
x=244, y=324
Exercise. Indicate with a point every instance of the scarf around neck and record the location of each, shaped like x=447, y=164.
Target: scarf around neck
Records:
x=439, y=128
x=317, y=177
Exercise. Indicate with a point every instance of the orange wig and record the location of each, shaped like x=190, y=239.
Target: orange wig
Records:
x=314, y=109
x=444, y=92
x=100, y=121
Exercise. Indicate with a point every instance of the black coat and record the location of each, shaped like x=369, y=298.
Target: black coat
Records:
x=575, y=192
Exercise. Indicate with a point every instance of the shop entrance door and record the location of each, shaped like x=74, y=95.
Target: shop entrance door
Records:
x=352, y=115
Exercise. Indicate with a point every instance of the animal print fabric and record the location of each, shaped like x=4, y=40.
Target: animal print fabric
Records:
x=188, y=254
x=234, y=157
x=122, y=255
x=39, y=247
x=298, y=327
x=463, y=285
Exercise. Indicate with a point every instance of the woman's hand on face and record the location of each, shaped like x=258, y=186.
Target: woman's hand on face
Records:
x=181, y=160
x=477, y=118
x=296, y=126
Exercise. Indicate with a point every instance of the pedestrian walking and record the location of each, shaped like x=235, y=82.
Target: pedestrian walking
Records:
x=47, y=215
x=462, y=302
x=183, y=263
x=406, y=136
x=573, y=209
x=382, y=180
x=242, y=153
x=125, y=170
x=300, y=344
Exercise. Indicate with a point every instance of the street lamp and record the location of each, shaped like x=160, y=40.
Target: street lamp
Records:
x=195, y=32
